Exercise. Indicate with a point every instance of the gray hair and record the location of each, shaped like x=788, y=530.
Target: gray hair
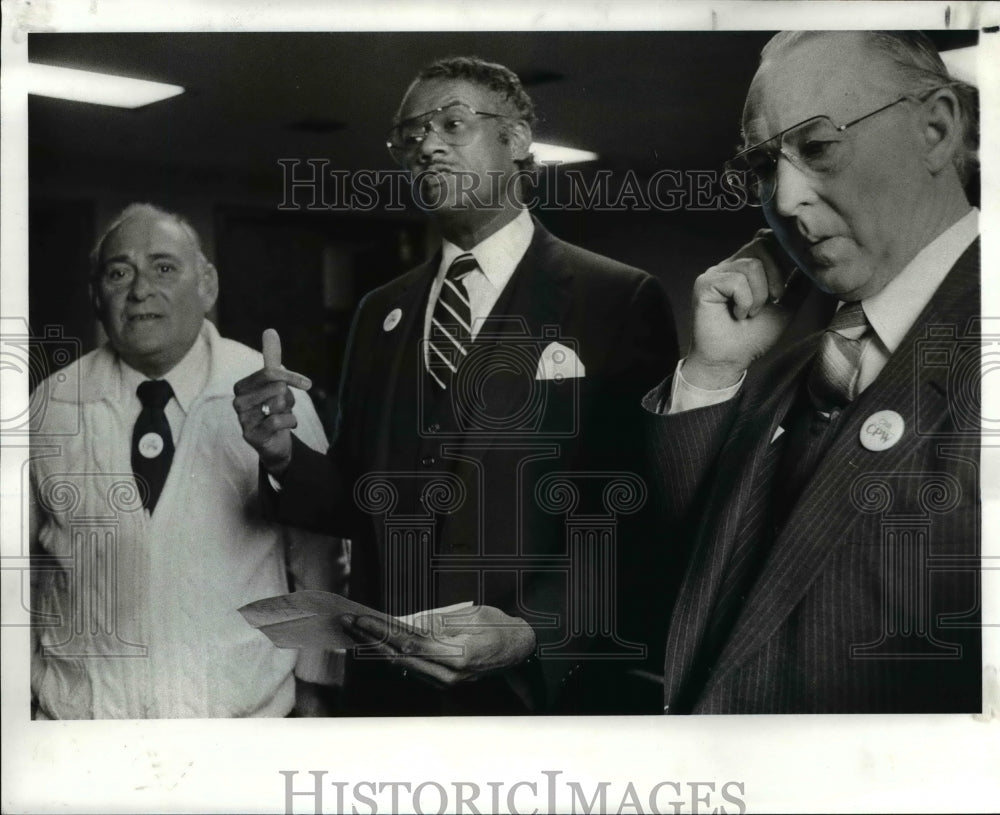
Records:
x=920, y=70
x=136, y=209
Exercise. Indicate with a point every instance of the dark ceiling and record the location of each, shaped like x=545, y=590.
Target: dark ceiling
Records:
x=646, y=100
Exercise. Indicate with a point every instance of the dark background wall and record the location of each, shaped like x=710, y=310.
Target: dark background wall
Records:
x=646, y=102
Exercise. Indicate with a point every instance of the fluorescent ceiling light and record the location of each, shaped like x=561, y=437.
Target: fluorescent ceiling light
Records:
x=962, y=63
x=554, y=154
x=95, y=88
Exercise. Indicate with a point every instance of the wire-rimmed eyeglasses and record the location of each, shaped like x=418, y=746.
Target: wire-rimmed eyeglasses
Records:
x=816, y=146
x=455, y=124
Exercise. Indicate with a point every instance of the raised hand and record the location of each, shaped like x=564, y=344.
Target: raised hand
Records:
x=264, y=402
x=740, y=310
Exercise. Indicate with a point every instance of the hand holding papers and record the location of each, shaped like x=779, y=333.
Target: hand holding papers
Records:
x=305, y=619
x=445, y=645
x=314, y=619
x=453, y=646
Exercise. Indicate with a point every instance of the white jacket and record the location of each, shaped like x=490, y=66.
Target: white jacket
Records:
x=136, y=615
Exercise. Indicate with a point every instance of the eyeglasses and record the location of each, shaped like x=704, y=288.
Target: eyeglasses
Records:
x=456, y=125
x=816, y=146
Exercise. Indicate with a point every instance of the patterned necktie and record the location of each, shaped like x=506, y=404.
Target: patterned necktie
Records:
x=451, y=322
x=833, y=380
x=152, y=444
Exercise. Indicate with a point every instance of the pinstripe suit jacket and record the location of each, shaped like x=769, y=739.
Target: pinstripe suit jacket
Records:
x=868, y=600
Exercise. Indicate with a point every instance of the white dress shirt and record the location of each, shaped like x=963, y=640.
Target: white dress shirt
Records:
x=891, y=313
x=497, y=256
x=187, y=379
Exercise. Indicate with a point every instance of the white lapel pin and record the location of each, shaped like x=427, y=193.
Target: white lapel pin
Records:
x=151, y=445
x=392, y=319
x=882, y=430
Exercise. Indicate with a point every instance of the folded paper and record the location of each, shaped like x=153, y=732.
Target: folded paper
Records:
x=311, y=619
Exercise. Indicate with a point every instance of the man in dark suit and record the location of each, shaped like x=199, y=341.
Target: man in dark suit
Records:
x=484, y=412
x=833, y=490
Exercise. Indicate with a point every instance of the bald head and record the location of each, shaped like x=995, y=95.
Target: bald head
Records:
x=900, y=61
x=152, y=287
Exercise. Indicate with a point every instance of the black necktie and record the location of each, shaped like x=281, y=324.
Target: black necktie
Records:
x=152, y=444
x=451, y=322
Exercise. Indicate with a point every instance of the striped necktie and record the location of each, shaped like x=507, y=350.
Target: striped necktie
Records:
x=451, y=322
x=833, y=379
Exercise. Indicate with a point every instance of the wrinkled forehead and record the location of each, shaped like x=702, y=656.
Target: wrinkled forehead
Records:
x=837, y=75
x=428, y=94
x=144, y=235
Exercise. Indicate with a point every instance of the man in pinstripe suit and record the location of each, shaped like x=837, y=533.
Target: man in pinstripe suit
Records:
x=832, y=490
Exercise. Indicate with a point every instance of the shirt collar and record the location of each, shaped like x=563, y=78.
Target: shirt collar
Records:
x=187, y=378
x=499, y=254
x=894, y=309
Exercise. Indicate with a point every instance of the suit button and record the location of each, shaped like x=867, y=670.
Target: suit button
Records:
x=427, y=461
x=433, y=428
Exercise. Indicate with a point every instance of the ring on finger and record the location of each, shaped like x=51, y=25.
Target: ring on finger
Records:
x=265, y=409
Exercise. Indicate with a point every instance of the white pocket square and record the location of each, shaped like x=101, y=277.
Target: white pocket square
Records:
x=559, y=362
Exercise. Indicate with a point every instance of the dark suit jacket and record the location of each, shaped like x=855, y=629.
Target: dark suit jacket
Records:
x=458, y=496
x=869, y=598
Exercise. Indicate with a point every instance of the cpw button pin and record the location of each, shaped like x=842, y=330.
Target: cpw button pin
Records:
x=392, y=319
x=151, y=445
x=882, y=430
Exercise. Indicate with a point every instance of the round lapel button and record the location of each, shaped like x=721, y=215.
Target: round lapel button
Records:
x=392, y=319
x=151, y=445
x=882, y=430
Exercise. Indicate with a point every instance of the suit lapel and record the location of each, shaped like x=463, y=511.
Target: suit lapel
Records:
x=805, y=543
x=397, y=355
x=733, y=490
x=536, y=296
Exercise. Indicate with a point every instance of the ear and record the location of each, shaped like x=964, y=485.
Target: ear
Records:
x=95, y=298
x=208, y=286
x=519, y=139
x=941, y=129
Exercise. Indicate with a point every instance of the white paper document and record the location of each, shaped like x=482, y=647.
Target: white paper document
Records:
x=311, y=619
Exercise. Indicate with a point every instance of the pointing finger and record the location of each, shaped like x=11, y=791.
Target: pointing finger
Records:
x=295, y=380
x=271, y=345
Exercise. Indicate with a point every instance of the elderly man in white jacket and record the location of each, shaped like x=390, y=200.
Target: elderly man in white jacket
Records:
x=145, y=535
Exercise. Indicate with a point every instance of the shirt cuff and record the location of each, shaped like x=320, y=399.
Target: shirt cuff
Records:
x=685, y=396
